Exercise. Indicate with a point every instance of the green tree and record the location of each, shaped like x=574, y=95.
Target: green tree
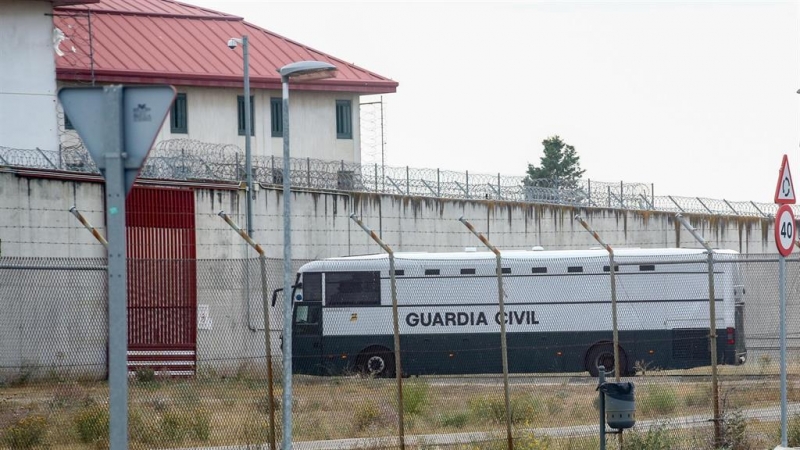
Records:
x=559, y=167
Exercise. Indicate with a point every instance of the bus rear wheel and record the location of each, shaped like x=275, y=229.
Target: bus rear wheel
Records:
x=603, y=355
x=376, y=362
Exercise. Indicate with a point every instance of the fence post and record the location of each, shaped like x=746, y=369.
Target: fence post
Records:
x=398, y=368
x=408, y=182
x=612, y=272
x=621, y=195
x=376, y=177
x=438, y=184
x=467, y=172
x=712, y=318
x=503, y=345
x=265, y=302
x=652, y=196
x=590, y=191
x=308, y=172
x=499, y=197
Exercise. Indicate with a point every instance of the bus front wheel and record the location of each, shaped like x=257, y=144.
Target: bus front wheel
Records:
x=603, y=355
x=376, y=362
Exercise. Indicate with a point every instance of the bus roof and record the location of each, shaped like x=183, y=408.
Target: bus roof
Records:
x=523, y=255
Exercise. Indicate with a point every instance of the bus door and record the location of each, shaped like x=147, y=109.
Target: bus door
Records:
x=307, y=347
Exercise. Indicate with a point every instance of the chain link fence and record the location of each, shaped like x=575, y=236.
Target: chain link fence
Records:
x=53, y=337
x=182, y=159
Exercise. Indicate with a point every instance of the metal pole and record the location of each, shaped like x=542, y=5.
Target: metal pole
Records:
x=782, y=319
x=383, y=153
x=248, y=157
x=287, y=276
x=117, y=270
x=589, y=183
x=712, y=336
x=92, y=229
x=408, y=182
x=503, y=344
x=438, y=183
x=396, y=320
x=601, y=380
x=265, y=300
x=612, y=272
x=652, y=196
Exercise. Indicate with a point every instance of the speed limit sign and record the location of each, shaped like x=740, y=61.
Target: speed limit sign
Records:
x=784, y=230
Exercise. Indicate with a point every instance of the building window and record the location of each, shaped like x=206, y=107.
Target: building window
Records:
x=344, y=119
x=67, y=122
x=240, y=109
x=276, y=110
x=178, y=118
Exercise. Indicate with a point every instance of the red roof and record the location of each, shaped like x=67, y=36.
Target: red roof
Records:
x=164, y=41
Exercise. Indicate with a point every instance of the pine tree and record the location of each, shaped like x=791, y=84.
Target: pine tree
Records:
x=559, y=167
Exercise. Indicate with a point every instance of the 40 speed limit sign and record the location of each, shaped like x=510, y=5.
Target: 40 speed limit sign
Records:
x=784, y=230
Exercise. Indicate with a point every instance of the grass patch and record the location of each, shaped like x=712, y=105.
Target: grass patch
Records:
x=655, y=438
x=27, y=432
x=365, y=416
x=91, y=424
x=415, y=397
x=660, y=399
x=524, y=408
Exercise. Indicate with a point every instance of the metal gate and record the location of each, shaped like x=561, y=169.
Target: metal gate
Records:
x=162, y=288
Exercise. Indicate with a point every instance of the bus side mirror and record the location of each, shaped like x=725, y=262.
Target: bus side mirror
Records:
x=275, y=296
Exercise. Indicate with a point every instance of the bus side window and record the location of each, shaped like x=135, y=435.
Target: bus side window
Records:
x=352, y=289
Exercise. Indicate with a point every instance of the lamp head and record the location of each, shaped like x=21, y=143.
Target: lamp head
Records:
x=232, y=43
x=307, y=70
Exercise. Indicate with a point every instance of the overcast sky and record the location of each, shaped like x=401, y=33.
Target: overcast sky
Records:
x=697, y=98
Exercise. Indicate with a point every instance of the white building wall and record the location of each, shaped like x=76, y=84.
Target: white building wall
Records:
x=27, y=76
x=212, y=118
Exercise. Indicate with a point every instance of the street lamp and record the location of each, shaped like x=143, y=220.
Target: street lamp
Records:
x=298, y=71
x=248, y=157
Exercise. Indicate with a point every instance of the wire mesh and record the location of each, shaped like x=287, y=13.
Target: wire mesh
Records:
x=184, y=159
x=53, y=333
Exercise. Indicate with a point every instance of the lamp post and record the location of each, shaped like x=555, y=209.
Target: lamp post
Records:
x=301, y=70
x=248, y=157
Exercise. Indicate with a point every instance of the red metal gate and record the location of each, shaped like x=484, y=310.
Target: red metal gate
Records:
x=162, y=288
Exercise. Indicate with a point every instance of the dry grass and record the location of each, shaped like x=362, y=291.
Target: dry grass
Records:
x=233, y=411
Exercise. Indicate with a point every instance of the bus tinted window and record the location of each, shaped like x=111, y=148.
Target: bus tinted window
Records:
x=312, y=287
x=352, y=288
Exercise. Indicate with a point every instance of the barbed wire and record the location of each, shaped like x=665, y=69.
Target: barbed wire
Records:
x=185, y=159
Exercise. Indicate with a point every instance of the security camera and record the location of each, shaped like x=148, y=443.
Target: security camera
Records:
x=232, y=44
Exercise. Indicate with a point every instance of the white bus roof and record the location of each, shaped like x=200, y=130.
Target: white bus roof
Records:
x=523, y=255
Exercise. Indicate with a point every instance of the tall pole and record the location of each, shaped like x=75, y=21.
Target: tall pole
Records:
x=782, y=321
x=712, y=326
x=503, y=344
x=396, y=321
x=117, y=270
x=287, y=275
x=248, y=157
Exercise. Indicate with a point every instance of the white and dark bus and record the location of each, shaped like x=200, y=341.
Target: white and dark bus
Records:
x=557, y=305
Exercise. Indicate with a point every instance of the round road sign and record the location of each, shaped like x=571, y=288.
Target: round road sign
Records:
x=784, y=230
